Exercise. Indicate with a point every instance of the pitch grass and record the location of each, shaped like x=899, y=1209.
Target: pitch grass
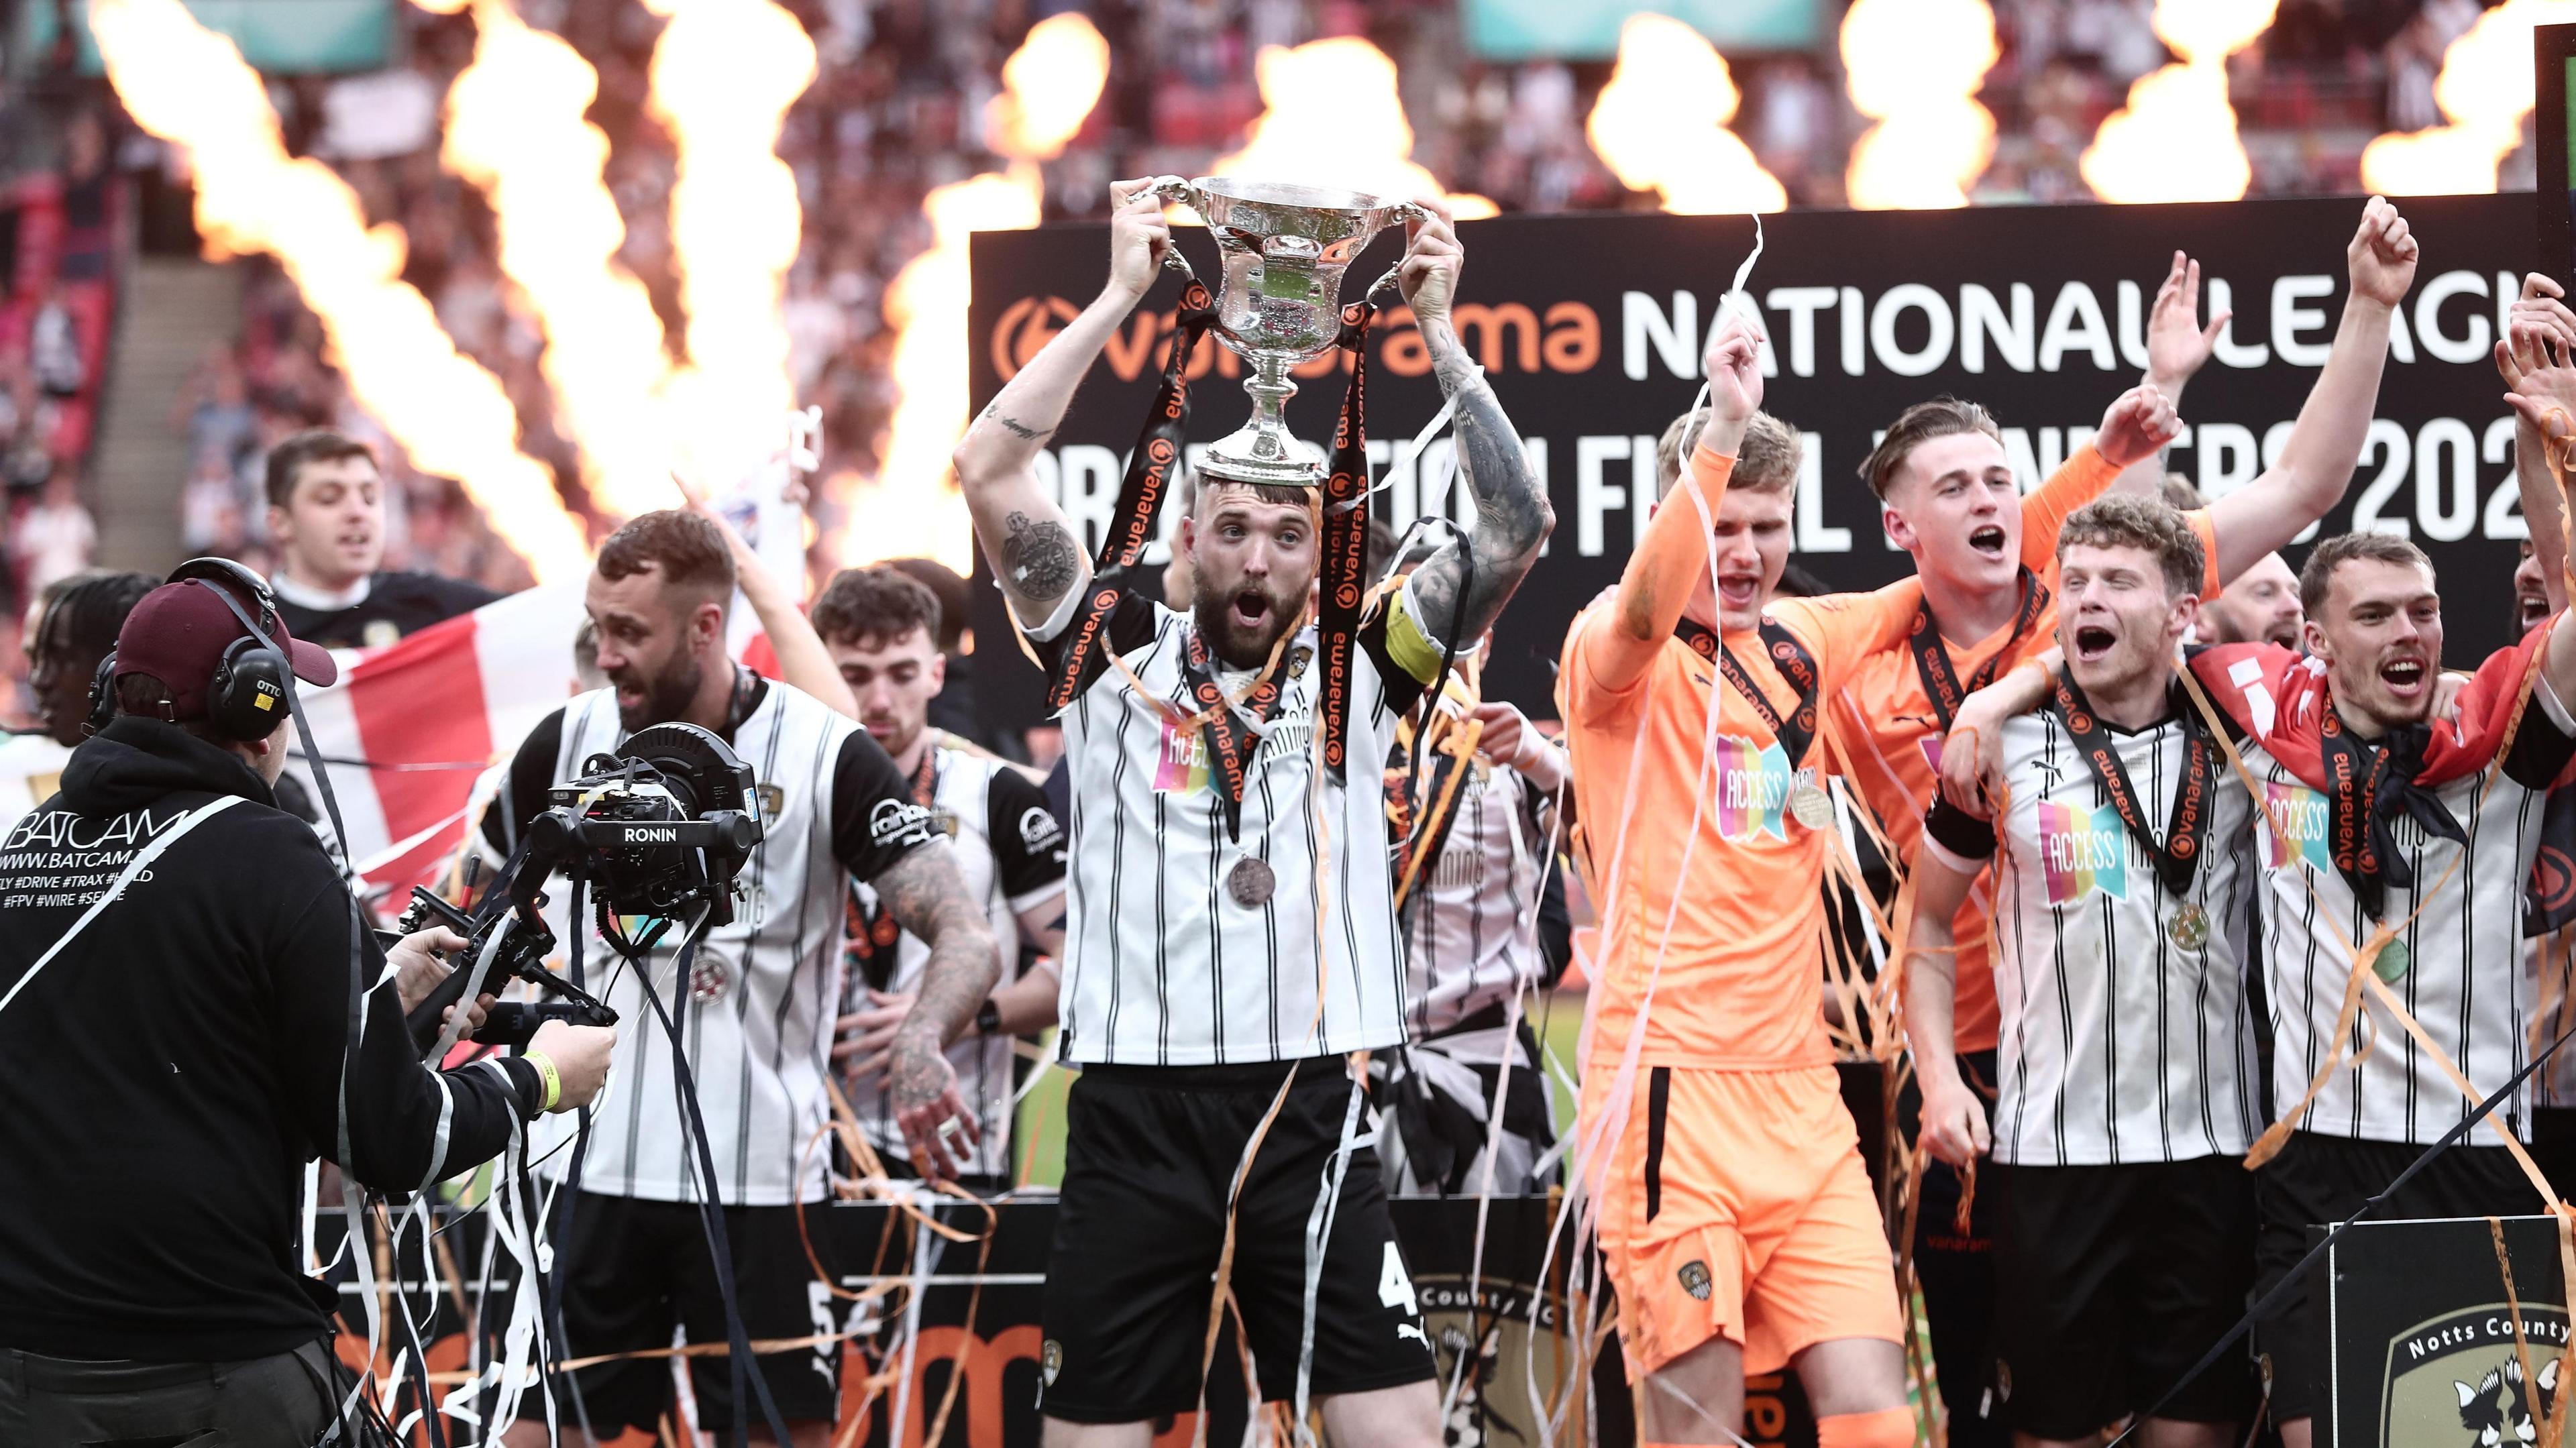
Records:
x=1556, y=1015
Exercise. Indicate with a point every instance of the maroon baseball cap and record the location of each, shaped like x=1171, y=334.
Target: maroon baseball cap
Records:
x=179, y=632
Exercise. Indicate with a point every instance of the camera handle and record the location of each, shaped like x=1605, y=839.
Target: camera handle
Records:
x=511, y=1023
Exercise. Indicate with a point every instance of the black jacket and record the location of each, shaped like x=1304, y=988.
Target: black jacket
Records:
x=164, y=1079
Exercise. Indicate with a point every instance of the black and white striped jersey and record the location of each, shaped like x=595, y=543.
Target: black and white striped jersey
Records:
x=2468, y=979
x=760, y=998
x=2118, y=1043
x=1010, y=850
x=1472, y=925
x=1173, y=957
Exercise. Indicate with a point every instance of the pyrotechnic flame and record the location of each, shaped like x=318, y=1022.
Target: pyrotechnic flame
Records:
x=723, y=75
x=515, y=128
x=2485, y=89
x=1333, y=119
x=190, y=87
x=1660, y=124
x=2177, y=140
x=916, y=509
x=1915, y=67
x=913, y=508
x=1049, y=86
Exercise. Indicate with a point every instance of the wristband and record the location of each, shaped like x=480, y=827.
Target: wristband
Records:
x=988, y=1019
x=546, y=1072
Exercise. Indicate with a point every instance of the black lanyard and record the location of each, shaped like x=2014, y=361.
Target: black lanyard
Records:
x=1789, y=657
x=2367, y=787
x=2188, y=827
x=1230, y=745
x=1140, y=497
x=1932, y=657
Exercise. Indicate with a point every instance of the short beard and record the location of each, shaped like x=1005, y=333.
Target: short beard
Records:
x=666, y=696
x=1234, y=647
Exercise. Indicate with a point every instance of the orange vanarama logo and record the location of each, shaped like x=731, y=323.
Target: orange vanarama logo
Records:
x=1504, y=337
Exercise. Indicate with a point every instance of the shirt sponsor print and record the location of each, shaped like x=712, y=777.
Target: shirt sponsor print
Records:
x=2082, y=849
x=2298, y=826
x=1752, y=785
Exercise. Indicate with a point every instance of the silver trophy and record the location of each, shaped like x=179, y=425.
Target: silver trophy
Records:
x=1279, y=303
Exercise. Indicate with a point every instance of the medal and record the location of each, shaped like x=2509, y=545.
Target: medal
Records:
x=1795, y=730
x=1250, y=882
x=2392, y=961
x=1812, y=806
x=2189, y=927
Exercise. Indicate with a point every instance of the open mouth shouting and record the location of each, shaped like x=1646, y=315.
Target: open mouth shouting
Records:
x=2405, y=677
x=1250, y=611
x=2531, y=609
x=1988, y=542
x=1739, y=592
x=2093, y=643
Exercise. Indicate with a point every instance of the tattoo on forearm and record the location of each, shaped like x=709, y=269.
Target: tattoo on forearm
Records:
x=1512, y=516
x=1039, y=562
x=1014, y=426
x=928, y=899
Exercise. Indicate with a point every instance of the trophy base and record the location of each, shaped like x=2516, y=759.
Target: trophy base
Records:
x=1253, y=455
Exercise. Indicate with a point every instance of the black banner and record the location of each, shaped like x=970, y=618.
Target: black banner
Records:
x=1591, y=328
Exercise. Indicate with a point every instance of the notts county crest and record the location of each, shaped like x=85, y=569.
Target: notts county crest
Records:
x=1694, y=1276
x=1050, y=1361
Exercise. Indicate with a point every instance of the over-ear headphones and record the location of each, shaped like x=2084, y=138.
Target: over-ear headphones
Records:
x=246, y=697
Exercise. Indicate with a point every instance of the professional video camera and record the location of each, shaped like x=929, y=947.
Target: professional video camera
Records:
x=658, y=829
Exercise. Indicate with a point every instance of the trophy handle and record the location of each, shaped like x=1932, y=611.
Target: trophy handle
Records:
x=1413, y=211
x=1171, y=189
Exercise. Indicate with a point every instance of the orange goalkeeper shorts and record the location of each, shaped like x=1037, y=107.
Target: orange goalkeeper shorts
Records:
x=1736, y=1205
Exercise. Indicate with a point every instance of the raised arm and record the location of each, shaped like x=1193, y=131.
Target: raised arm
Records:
x=1512, y=513
x=1672, y=559
x=2325, y=443
x=2178, y=346
x=1026, y=538
x=802, y=660
x=2539, y=321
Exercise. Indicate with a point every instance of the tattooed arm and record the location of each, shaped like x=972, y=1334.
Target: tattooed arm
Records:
x=928, y=898
x=1026, y=537
x=1512, y=514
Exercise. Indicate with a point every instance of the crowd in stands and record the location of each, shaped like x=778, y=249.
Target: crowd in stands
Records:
x=896, y=108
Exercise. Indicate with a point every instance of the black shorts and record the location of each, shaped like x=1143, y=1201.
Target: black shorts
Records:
x=634, y=1269
x=2110, y=1282
x=1150, y=1154
x=2320, y=1180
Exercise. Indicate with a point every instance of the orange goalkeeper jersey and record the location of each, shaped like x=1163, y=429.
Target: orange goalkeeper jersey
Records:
x=1734, y=912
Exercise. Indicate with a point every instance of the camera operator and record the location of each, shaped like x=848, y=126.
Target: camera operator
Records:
x=756, y=1006
x=326, y=512
x=175, y=969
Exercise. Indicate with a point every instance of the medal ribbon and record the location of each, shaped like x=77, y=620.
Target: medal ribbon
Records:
x=1345, y=539
x=1789, y=657
x=1140, y=495
x=1932, y=657
x=1229, y=744
x=2372, y=786
x=2179, y=856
